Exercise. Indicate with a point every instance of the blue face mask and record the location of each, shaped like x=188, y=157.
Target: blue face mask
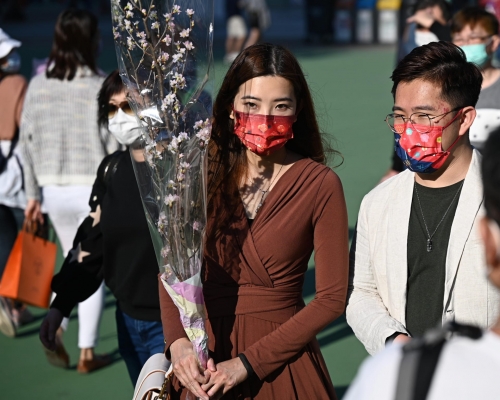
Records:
x=12, y=63
x=476, y=53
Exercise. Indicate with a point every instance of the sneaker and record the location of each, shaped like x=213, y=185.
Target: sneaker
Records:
x=99, y=361
x=7, y=324
x=58, y=358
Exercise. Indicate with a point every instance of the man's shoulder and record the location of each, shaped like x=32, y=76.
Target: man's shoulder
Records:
x=382, y=192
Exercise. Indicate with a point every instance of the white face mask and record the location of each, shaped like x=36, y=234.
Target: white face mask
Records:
x=124, y=128
x=422, y=38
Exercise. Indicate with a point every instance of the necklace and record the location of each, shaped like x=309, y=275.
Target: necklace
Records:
x=264, y=192
x=429, y=236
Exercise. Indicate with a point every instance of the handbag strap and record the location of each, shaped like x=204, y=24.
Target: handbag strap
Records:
x=421, y=356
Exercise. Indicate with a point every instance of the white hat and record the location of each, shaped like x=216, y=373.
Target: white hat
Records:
x=7, y=44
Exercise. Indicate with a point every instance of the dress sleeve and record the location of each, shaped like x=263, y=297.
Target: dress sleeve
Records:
x=82, y=271
x=170, y=319
x=366, y=312
x=331, y=267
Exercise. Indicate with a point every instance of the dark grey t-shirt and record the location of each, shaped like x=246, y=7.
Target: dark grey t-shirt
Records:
x=427, y=270
x=488, y=115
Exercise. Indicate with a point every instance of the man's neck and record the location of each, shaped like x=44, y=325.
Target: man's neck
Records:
x=454, y=170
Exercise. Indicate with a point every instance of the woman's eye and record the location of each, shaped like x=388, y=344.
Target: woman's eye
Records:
x=282, y=107
x=249, y=104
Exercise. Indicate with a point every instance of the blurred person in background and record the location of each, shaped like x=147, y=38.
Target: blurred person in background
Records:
x=259, y=19
x=467, y=367
x=114, y=243
x=236, y=30
x=12, y=198
x=416, y=257
x=62, y=148
x=476, y=32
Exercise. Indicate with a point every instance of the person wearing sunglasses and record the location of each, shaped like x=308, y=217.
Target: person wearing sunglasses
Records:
x=113, y=243
x=417, y=260
x=476, y=32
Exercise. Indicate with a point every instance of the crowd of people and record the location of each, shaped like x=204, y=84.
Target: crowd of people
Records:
x=425, y=256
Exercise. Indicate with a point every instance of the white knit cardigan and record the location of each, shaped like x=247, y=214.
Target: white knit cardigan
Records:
x=59, y=136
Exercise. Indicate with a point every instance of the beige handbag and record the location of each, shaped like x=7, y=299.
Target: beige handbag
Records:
x=154, y=380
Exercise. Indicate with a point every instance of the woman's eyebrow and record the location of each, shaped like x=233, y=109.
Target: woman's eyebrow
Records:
x=250, y=97
x=284, y=99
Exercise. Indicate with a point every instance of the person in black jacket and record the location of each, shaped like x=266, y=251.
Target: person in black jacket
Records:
x=113, y=243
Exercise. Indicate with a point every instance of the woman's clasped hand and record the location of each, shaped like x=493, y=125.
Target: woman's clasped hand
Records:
x=212, y=383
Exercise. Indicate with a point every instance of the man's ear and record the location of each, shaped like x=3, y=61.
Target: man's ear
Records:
x=490, y=233
x=466, y=119
x=495, y=42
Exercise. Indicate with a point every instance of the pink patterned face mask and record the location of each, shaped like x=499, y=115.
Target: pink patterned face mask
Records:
x=263, y=134
x=422, y=152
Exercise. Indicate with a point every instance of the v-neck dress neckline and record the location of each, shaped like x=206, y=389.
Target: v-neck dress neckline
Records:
x=270, y=193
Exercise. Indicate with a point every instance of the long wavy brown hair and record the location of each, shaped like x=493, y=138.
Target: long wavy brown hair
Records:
x=226, y=154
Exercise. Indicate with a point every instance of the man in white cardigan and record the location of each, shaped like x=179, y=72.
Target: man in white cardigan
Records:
x=417, y=259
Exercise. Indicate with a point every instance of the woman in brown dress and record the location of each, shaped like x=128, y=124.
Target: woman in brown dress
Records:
x=271, y=202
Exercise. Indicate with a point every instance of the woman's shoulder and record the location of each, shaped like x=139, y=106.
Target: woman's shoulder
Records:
x=316, y=172
x=15, y=80
x=116, y=156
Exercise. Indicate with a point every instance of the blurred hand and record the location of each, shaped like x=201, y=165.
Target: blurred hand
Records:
x=422, y=17
x=186, y=367
x=401, y=339
x=33, y=211
x=49, y=327
x=224, y=376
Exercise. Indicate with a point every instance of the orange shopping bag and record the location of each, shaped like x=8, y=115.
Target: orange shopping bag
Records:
x=29, y=270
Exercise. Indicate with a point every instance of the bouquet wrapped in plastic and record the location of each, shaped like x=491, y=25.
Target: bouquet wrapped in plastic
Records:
x=164, y=51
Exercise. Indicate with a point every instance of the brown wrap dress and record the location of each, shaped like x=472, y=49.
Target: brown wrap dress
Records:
x=252, y=284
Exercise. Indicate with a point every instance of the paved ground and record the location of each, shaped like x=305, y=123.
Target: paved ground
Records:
x=351, y=89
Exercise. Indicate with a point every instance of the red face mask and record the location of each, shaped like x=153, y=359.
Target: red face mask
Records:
x=263, y=134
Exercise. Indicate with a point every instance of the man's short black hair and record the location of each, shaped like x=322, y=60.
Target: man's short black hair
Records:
x=490, y=170
x=445, y=65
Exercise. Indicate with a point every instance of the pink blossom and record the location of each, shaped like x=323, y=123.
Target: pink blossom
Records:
x=184, y=33
x=197, y=225
x=176, y=57
x=188, y=45
x=171, y=199
x=190, y=12
x=167, y=40
x=168, y=101
x=165, y=250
